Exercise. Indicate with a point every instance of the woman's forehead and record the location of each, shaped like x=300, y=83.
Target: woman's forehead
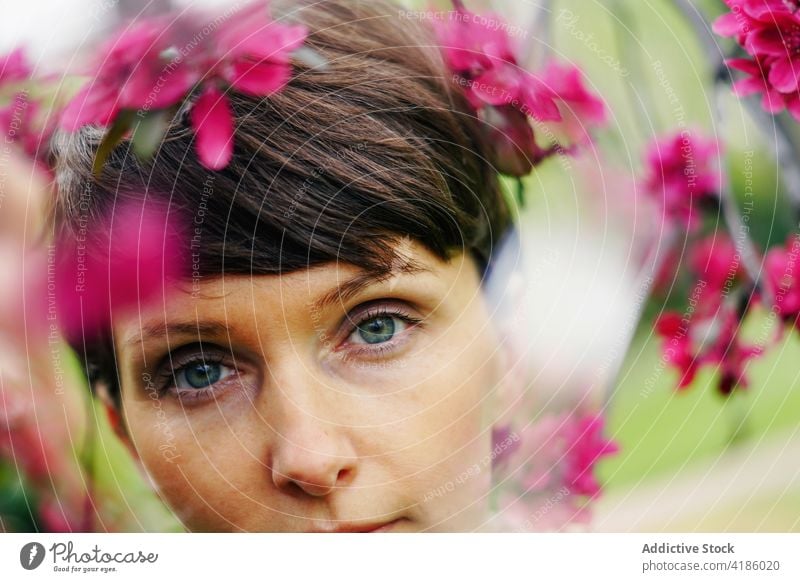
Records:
x=301, y=296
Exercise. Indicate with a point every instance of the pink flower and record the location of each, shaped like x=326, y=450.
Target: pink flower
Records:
x=578, y=107
x=14, y=67
x=736, y=23
x=514, y=144
x=776, y=34
x=561, y=451
x=769, y=31
x=682, y=172
x=730, y=354
x=19, y=123
x=781, y=266
x=250, y=54
x=715, y=260
x=677, y=348
x=547, y=480
x=692, y=342
x=708, y=332
x=585, y=446
x=133, y=71
x=472, y=47
x=503, y=445
x=213, y=123
x=507, y=97
x=158, y=63
x=757, y=81
x=130, y=262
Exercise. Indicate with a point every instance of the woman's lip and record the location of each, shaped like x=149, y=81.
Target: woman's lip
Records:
x=338, y=527
x=385, y=527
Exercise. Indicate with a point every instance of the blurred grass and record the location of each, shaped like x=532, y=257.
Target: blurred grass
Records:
x=126, y=501
x=123, y=498
x=661, y=430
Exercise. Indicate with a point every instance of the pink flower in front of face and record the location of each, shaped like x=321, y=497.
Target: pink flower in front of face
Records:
x=504, y=444
x=130, y=262
x=134, y=70
x=561, y=451
x=682, y=171
x=34, y=444
x=19, y=441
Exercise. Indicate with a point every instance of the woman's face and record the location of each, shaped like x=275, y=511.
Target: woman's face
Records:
x=318, y=400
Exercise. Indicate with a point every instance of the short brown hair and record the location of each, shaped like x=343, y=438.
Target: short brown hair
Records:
x=375, y=145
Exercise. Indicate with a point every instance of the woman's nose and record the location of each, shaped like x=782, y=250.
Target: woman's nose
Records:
x=311, y=454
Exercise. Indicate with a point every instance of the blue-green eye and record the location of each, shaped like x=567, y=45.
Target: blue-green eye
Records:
x=200, y=374
x=377, y=330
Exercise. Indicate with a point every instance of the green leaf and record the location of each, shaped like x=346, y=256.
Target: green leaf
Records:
x=112, y=138
x=149, y=131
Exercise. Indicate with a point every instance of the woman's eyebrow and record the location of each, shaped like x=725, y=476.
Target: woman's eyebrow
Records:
x=193, y=328
x=353, y=286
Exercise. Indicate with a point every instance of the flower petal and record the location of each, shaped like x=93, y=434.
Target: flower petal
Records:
x=213, y=125
x=783, y=75
x=258, y=79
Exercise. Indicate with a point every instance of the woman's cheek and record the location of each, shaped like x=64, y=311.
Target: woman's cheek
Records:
x=177, y=443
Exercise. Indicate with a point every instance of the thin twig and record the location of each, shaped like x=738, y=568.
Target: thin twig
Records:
x=730, y=211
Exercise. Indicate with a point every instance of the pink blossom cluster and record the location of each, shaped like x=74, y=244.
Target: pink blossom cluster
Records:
x=769, y=32
x=708, y=331
x=682, y=176
x=158, y=63
x=483, y=60
x=556, y=456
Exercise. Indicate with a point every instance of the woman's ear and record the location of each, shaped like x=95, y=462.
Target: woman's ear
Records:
x=114, y=417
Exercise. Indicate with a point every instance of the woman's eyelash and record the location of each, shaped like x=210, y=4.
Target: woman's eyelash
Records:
x=379, y=349
x=175, y=364
x=375, y=313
